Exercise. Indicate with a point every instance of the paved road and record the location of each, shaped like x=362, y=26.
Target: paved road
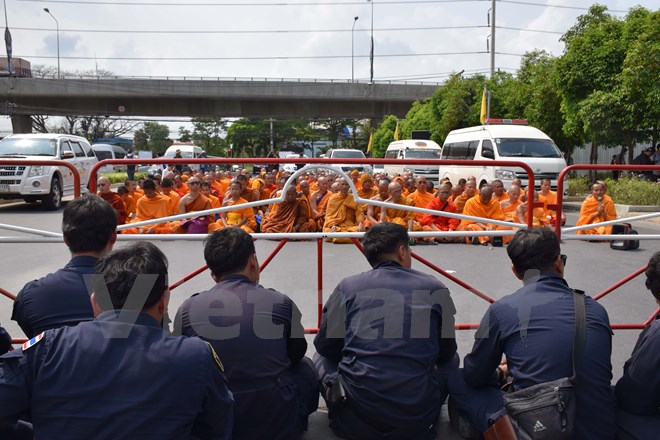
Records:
x=591, y=267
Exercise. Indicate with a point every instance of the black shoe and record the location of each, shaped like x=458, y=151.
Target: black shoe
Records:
x=498, y=241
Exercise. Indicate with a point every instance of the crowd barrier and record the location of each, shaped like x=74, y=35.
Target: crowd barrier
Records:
x=50, y=237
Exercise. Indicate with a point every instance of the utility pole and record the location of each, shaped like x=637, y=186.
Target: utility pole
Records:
x=272, y=145
x=492, y=39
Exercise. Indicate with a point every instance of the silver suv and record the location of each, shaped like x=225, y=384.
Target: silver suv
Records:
x=345, y=153
x=43, y=182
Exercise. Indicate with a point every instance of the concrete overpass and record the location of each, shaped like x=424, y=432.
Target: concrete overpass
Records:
x=201, y=97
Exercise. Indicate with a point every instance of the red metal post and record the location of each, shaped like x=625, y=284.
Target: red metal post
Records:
x=652, y=317
x=274, y=252
x=620, y=283
x=188, y=277
x=319, y=280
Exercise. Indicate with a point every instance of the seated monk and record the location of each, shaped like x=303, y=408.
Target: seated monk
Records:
x=373, y=211
x=456, y=191
x=355, y=178
x=469, y=192
x=367, y=190
x=549, y=199
x=401, y=217
x=240, y=217
x=151, y=206
x=208, y=193
x=191, y=202
x=114, y=199
x=498, y=191
x=291, y=215
x=539, y=219
x=598, y=207
x=180, y=186
x=509, y=209
x=167, y=188
x=343, y=214
x=432, y=222
x=485, y=207
x=420, y=197
x=319, y=200
x=126, y=197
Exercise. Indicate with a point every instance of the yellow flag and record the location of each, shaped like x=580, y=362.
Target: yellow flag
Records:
x=484, y=106
x=370, y=144
x=396, y=132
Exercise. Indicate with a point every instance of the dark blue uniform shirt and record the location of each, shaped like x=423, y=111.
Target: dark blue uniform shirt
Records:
x=638, y=390
x=258, y=335
x=534, y=327
x=390, y=328
x=58, y=299
x=112, y=379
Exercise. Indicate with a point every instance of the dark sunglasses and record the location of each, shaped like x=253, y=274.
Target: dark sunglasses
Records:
x=563, y=259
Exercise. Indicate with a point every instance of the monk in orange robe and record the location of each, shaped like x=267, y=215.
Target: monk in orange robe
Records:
x=206, y=191
x=149, y=207
x=598, y=207
x=133, y=190
x=373, y=211
x=420, y=197
x=192, y=202
x=355, y=178
x=483, y=206
x=401, y=217
x=114, y=199
x=343, y=213
x=498, y=191
x=240, y=217
x=126, y=197
x=167, y=187
x=318, y=201
x=509, y=209
x=291, y=215
x=180, y=186
x=432, y=222
x=549, y=197
x=539, y=219
x=367, y=190
x=469, y=192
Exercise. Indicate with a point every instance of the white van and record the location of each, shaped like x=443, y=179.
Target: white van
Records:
x=107, y=151
x=188, y=151
x=413, y=149
x=502, y=142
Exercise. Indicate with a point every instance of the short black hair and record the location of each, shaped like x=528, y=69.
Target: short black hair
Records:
x=88, y=222
x=122, y=190
x=121, y=270
x=167, y=183
x=653, y=275
x=149, y=184
x=533, y=249
x=227, y=251
x=382, y=240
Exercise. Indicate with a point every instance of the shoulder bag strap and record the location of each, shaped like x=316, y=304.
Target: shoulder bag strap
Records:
x=580, y=330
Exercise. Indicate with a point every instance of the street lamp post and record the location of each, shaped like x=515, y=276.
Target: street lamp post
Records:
x=353, y=51
x=57, y=24
x=371, y=55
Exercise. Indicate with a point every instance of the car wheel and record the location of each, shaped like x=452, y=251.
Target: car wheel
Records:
x=53, y=200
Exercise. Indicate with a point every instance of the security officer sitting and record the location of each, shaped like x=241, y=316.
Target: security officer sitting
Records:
x=386, y=345
x=120, y=375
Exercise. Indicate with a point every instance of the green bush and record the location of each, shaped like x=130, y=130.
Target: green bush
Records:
x=121, y=177
x=625, y=191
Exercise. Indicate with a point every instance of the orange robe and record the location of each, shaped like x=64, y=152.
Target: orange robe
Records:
x=503, y=198
x=288, y=217
x=182, y=190
x=116, y=202
x=421, y=200
x=236, y=216
x=401, y=216
x=363, y=194
x=475, y=208
x=149, y=209
x=174, y=201
x=130, y=206
x=461, y=200
x=343, y=213
x=441, y=222
x=587, y=211
x=509, y=210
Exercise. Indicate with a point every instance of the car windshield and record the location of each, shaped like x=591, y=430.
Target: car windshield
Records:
x=423, y=154
x=513, y=147
x=345, y=154
x=18, y=146
x=184, y=154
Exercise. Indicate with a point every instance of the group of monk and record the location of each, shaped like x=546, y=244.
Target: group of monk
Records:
x=324, y=202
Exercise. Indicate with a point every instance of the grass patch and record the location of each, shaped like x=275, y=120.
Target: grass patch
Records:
x=625, y=191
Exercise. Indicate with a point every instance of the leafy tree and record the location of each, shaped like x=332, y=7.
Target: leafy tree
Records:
x=184, y=134
x=207, y=133
x=153, y=136
x=383, y=135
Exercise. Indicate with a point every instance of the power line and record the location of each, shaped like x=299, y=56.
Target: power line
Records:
x=323, y=3
x=576, y=8
x=242, y=31
x=303, y=57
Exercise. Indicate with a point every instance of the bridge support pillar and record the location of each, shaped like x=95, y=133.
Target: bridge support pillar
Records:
x=21, y=123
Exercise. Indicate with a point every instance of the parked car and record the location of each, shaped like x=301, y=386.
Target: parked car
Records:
x=345, y=153
x=44, y=183
x=107, y=151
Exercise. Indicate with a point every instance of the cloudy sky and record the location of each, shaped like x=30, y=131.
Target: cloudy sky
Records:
x=415, y=40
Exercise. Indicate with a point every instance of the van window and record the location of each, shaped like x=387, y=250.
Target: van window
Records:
x=422, y=154
x=119, y=155
x=472, y=150
x=512, y=147
x=487, y=145
x=77, y=149
x=392, y=154
x=457, y=151
x=102, y=155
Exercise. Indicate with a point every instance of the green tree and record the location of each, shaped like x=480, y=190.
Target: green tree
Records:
x=207, y=133
x=153, y=136
x=383, y=135
x=184, y=134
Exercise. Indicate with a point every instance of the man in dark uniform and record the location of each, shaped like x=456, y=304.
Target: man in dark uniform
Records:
x=120, y=375
x=387, y=343
x=62, y=298
x=130, y=169
x=638, y=390
x=534, y=328
x=260, y=337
